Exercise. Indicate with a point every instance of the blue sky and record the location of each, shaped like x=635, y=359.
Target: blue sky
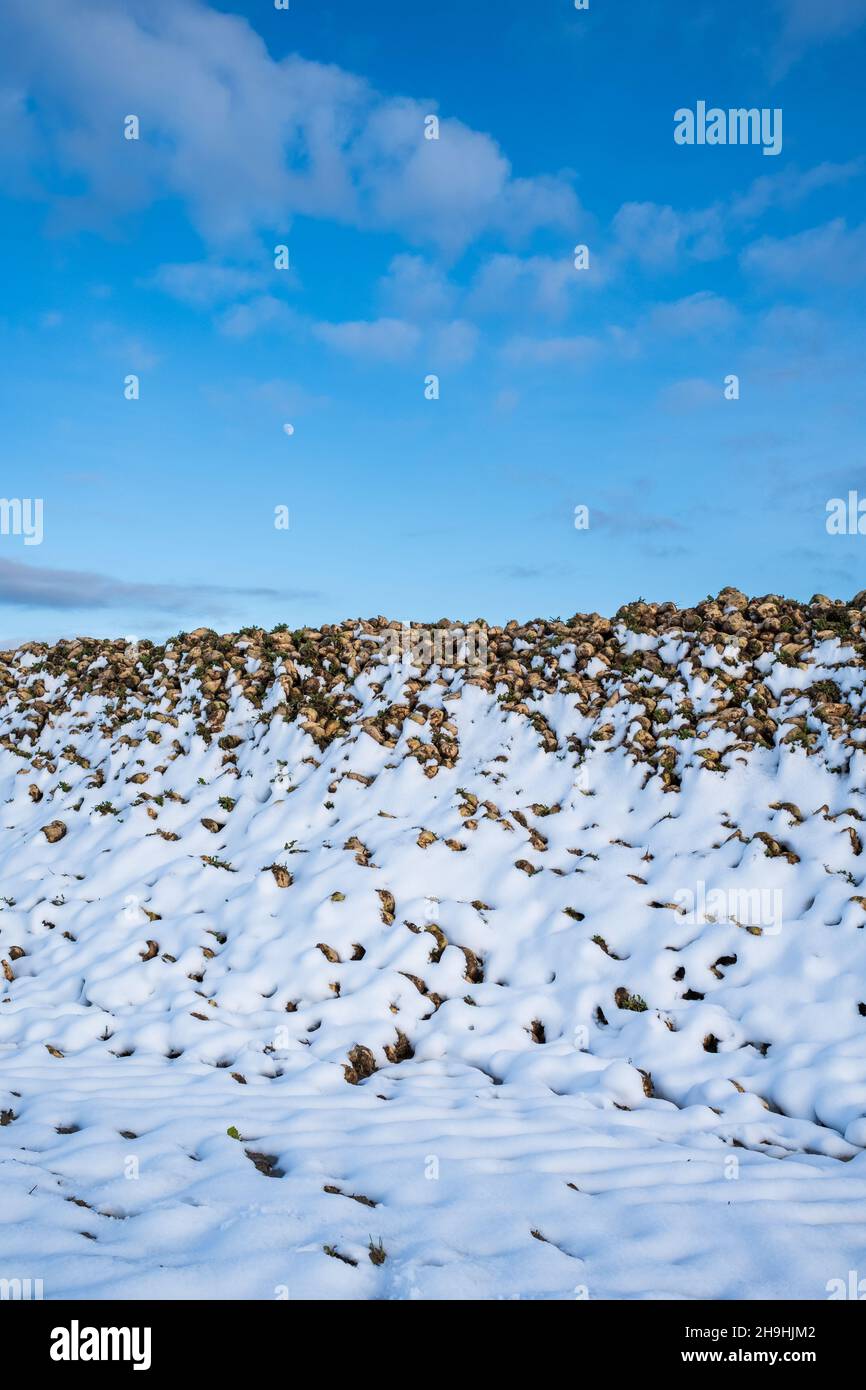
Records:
x=411, y=257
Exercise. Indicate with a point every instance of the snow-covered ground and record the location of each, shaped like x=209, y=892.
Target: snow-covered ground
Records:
x=549, y=989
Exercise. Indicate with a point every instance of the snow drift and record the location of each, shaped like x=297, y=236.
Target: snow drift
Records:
x=330, y=974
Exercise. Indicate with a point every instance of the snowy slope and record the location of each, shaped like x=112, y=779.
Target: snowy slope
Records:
x=550, y=976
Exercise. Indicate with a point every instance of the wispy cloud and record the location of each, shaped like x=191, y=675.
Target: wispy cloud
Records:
x=790, y=187
x=574, y=351
x=205, y=284
x=832, y=254
x=265, y=312
x=532, y=284
x=130, y=350
x=700, y=313
x=692, y=393
x=384, y=340
x=807, y=22
x=526, y=573
x=41, y=587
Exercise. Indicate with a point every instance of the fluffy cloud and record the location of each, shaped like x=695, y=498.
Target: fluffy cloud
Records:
x=531, y=284
x=657, y=236
x=415, y=288
x=248, y=141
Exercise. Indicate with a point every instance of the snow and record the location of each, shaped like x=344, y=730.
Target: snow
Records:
x=711, y=1146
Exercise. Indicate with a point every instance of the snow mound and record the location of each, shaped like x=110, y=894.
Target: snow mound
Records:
x=547, y=971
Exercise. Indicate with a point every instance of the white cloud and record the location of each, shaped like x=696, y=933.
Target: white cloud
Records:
x=248, y=141
x=204, y=284
x=573, y=351
x=385, y=340
x=831, y=253
x=535, y=284
x=454, y=344
x=265, y=311
x=796, y=327
x=807, y=22
x=286, y=397
x=790, y=187
x=416, y=288
x=694, y=393
x=704, y=312
x=656, y=235
x=132, y=353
